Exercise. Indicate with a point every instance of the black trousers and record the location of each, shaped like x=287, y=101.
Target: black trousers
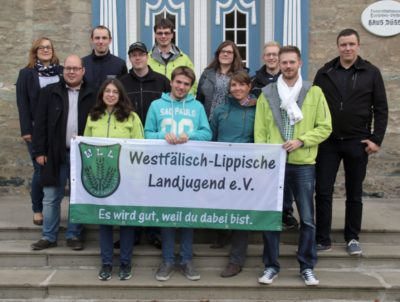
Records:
x=355, y=160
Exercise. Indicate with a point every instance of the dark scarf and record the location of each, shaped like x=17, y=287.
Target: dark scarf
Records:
x=44, y=71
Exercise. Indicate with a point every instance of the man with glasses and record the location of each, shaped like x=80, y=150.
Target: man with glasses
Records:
x=165, y=56
x=61, y=115
x=101, y=64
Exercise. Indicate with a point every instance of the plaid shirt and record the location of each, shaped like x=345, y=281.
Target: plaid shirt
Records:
x=287, y=128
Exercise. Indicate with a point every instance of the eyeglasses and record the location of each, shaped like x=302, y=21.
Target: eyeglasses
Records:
x=271, y=54
x=163, y=33
x=47, y=47
x=226, y=52
x=72, y=69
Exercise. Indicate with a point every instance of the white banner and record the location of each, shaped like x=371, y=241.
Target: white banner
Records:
x=197, y=184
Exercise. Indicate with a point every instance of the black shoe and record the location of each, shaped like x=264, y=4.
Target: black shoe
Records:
x=155, y=240
x=42, y=244
x=323, y=247
x=75, y=244
x=105, y=272
x=289, y=222
x=125, y=272
x=117, y=244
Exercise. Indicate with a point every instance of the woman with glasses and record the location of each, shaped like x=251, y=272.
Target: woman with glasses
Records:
x=43, y=69
x=233, y=122
x=112, y=116
x=213, y=84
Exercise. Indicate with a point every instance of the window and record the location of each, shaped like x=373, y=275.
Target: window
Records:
x=236, y=31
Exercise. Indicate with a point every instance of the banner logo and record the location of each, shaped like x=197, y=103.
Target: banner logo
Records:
x=100, y=169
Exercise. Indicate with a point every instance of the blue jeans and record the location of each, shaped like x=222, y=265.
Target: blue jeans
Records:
x=36, y=186
x=127, y=238
x=355, y=160
x=52, y=208
x=299, y=180
x=168, y=244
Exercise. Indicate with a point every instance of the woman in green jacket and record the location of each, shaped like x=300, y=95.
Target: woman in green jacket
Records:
x=112, y=116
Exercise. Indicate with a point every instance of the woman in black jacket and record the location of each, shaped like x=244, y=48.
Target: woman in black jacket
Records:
x=43, y=68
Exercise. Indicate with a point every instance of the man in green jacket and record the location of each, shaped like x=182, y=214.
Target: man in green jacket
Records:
x=292, y=113
x=165, y=55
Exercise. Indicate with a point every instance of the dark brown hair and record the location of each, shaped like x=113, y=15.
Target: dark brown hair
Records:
x=164, y=23
x=101, y=27
x=34, y=49
x=237, y=63
x=290, y=48
x=348, y=32
x=122, y=109
x=240, y=77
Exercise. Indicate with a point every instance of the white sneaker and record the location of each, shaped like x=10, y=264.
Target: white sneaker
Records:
x=309, y=277
x=268, y=276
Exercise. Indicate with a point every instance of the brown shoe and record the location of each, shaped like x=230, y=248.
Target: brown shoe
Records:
x=75, y=244
x=42, y=244
x=231, y=270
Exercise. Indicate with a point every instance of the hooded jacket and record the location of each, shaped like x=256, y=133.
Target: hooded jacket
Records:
x=49, y=133
x=179, y=58
x=313, y=129
x=143, y=90
x=352, y=117
x=166, y=115
x=108, y=126
x=233, y=122
x=98, y=68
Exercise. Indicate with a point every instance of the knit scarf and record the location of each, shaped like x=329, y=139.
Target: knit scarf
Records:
x=289, y=96
x=46, y=71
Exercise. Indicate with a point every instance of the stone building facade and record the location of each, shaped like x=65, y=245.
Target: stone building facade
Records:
x=68, y=24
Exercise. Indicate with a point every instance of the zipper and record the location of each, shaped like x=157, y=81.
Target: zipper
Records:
x=108, y=125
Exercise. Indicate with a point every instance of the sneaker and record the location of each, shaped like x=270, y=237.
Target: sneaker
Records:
x=165, y=271
x=75, y=244
x=309, y=277
x=42, y=244
x=125, y=272
x=354, y=248
x=190, y=272
x=289, y=221
x=105, y=272
x=231, y=270
x=268, y=276
x=323, y=248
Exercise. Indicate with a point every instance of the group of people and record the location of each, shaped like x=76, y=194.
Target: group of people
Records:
x=342, y=116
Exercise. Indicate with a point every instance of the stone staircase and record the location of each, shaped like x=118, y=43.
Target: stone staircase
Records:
x=59, y=274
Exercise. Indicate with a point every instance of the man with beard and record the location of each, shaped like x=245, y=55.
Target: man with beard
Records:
x=292, y=113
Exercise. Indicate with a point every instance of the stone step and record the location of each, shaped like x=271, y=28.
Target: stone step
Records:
x=18, y=254
x=77, y=284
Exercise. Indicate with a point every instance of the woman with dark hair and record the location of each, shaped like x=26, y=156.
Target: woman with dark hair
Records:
x=234, y=122
x=213, y=84
x=112, y=116
x=43, y=69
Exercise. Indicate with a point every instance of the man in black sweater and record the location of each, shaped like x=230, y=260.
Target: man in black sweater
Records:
x=355, y=93
x=101, y=64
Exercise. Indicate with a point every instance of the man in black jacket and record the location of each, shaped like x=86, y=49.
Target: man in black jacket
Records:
x=101, y=64
x=355, y=93
x=61, y=114
x=142, y=84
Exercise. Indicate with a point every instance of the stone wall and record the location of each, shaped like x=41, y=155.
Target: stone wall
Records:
x=68, y=24
x=327, y=18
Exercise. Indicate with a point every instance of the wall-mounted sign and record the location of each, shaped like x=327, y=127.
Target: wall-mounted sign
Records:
x=382, y=18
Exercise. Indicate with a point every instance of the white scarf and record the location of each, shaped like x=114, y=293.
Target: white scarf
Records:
x=289, y=96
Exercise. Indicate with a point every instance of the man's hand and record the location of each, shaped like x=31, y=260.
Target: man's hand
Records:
x=183, y=138
x=292, y=145
x=41, y=160
x=27, y=138
x=171, y=138
x=371, y=147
